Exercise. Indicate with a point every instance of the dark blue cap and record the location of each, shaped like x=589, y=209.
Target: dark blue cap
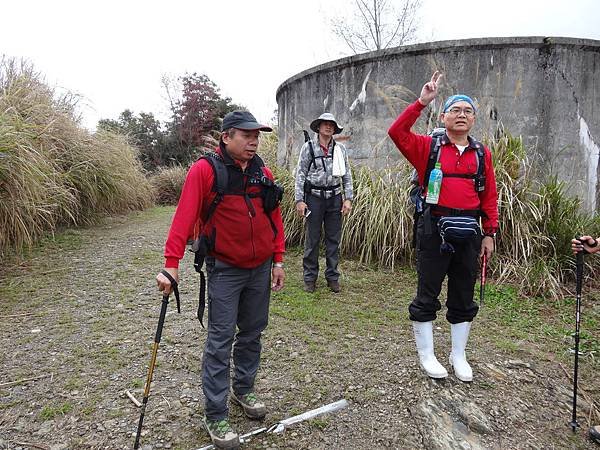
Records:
x=242, y=120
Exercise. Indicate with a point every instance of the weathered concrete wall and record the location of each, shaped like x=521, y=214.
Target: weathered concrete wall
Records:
x=546, y=90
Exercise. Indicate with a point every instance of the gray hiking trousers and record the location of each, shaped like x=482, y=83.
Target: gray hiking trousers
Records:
x=236, y=297
x=325, y=213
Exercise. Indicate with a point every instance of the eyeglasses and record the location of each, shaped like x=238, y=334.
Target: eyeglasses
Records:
x=456, y=111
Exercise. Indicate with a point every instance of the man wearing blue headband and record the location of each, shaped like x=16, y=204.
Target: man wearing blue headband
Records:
x=448, y=231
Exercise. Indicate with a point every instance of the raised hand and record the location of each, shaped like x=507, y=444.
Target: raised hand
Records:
x=430, y=89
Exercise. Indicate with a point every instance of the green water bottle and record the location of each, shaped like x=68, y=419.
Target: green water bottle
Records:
x=435, y=185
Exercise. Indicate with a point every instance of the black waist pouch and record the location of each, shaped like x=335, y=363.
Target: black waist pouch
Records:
x=456, y=230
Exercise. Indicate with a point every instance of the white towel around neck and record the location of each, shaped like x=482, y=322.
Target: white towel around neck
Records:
x=339, y=165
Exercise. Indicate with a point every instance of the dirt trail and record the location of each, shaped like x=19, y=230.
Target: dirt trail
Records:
x=80, y=315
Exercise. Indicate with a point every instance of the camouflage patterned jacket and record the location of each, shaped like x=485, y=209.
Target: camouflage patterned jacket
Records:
x=318, y=172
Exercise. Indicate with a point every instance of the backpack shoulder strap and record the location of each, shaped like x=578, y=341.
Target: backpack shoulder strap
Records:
x=310, y=148
x=221, y=180
x=480, y=159
x=480, y=176
x=434, y=152
x=219, y=170
x=259, y=161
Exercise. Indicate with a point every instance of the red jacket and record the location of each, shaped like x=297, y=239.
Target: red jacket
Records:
x=242, y=239
x=455, y=192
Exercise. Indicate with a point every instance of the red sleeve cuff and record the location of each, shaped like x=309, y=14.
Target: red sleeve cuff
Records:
x=420, y=106
x=172, y=263
x=278, y=257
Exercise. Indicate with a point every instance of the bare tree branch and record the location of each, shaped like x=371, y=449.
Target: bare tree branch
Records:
x=377, y=24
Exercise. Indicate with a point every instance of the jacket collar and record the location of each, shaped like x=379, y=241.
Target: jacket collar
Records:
x=474, y=144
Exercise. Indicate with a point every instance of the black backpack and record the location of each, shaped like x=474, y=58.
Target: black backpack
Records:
x=271, y=193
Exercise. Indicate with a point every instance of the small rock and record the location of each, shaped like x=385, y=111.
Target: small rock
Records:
x=45, y=428
x=517, y=363
x=59, y=447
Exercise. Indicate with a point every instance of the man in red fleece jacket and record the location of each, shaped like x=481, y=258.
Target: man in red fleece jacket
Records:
x=244, y=260
x=463, y=194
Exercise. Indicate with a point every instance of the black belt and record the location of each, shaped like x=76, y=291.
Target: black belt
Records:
x=437, y=210
x=319, y=191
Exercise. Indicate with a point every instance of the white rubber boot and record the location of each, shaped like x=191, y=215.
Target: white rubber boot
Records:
x=458, y=358
x=424, y=340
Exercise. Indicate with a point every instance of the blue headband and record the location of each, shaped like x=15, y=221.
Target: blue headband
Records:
x=458, y=98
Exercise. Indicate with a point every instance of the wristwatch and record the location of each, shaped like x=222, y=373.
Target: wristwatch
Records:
x=278, y=264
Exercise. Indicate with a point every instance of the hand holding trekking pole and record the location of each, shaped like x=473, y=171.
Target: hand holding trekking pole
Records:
x=164, y=283
x=580, y=246
x=585, y=244
x=161, y=321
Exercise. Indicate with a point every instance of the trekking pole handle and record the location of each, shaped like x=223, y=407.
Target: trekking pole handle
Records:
x=586, y=242
x=174, y=287
x=580, y=239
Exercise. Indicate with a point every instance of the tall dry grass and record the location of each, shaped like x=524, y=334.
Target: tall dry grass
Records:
x=167, y=183
x=538, y=219
x=53, y=172
x=379, y=228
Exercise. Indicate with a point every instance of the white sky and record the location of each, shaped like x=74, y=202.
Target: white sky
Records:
x=113, y=53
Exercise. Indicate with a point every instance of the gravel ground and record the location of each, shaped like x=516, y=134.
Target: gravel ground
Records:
x=77, y=322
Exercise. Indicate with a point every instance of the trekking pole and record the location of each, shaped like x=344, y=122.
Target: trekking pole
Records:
x=482, y=282
x=579, y=277
x=281, y=426
x=161, y=322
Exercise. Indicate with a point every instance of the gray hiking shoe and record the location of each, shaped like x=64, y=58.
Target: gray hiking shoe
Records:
x=221, y=433
x=253, y=408
x=310, y=286
x=334, y=286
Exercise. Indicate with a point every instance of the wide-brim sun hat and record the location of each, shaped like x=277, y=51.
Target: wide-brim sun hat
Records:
x=314, y=125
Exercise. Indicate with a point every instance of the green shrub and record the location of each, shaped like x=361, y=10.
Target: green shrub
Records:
x=538, y=219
